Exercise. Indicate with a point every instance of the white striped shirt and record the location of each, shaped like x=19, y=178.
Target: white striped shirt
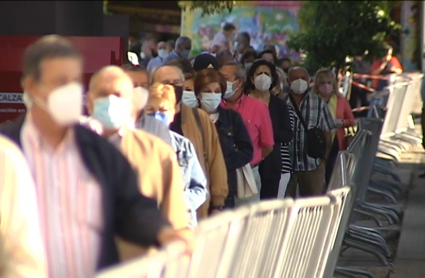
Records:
x=69, y=204
x=284, y=150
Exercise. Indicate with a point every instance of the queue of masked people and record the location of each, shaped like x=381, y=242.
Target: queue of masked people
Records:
x=160, y=149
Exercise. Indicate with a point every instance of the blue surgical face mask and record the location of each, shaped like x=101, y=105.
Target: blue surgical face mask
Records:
x=112, y=112
x=162, y=117
x=162, y=53
x=189, y=99
x=185, y=53
x=210, y=101
x=229, y=89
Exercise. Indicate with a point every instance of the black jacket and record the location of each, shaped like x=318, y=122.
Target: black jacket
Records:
x=126, y=212
x=283, y=134
x=235, y=144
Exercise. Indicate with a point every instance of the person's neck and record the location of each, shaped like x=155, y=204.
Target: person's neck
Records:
x=326, y=97
x=178, y=107
x=298, y=98
x=110, y=132
x=50, y=131
x=231, y=102
x=259, y=94
x=212, y=112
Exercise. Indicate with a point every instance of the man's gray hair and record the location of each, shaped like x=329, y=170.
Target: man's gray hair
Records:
x=152, y=75
x=297, y=68
x=240, y=69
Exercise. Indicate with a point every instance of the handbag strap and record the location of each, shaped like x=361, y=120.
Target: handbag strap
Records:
x=198, y=123
x=298, y=112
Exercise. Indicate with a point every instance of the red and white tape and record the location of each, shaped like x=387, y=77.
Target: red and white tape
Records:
x=369, y=76
x=360, y=85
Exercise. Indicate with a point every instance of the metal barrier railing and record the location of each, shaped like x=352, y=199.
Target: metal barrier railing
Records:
x=299, y=238
x=280, y=238
x=400, y=104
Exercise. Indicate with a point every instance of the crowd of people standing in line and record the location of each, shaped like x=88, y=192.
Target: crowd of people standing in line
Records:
x=162, y=147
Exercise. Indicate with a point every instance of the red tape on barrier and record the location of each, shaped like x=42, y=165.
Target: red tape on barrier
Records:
x=369, y=76
x=360, y=85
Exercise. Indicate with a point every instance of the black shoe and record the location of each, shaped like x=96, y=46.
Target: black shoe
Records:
x=422, y=176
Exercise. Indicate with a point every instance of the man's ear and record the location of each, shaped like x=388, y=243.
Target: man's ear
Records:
x=28, y=84
x=89, y=103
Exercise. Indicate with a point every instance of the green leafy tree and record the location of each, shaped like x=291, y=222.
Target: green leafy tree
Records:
x=332, y=30
x=209, y=7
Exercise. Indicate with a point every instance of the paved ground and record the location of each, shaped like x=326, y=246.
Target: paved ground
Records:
x=407, y=239
x=410, y=258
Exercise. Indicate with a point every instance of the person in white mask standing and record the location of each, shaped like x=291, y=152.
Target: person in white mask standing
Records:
x=309, y=152
x=255, y=116
x=87, y=191
x=262, y=79
x=210, y=88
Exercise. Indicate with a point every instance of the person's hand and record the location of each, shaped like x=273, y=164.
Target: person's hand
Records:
x=168, y=235
x=339, y=123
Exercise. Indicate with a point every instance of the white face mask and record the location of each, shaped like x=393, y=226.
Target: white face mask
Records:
x=262, y=82
x=299, y=86
x=229, y=89
x=140, y=98
x=64, y=104
x=210, y=101
x=189, y=99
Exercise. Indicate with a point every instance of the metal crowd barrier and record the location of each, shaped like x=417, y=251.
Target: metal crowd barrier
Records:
x=301, y=238
x=390, y=132
x=272, y=239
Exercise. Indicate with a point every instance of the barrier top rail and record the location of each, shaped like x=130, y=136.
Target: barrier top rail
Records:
x=282, y=238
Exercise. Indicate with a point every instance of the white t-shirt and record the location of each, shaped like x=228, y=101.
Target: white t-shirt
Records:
x=214, y=117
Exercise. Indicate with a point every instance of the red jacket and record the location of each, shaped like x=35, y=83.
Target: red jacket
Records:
x=343, y=111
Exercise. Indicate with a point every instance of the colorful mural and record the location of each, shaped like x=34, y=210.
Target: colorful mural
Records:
x=266, y=21
x=410, y=39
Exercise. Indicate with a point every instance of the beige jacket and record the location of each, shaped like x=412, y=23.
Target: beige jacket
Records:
x=22, y=251
x=214, y=165
x=160, y=178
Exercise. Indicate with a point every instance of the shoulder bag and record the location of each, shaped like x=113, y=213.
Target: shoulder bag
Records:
x=315, y=137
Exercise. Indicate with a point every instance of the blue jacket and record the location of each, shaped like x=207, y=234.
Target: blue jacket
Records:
x=195, y=182
x=235, y=144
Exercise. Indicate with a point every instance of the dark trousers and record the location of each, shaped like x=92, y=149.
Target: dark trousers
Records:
x=358, y=97
x=331, y=160
x=229, y=203
x=269, y=187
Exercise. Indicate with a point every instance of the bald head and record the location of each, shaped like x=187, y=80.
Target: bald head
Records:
x=109, y=75
x=108, y=81
x=167, y=75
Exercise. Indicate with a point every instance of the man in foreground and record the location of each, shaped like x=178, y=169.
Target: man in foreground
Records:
x=87, y=191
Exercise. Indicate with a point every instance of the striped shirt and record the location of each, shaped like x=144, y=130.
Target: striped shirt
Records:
x=284, y=149
x=316, y=114
x=69, y=201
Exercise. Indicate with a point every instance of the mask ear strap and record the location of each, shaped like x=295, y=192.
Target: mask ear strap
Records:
x=39, y=103
x=237, y=88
